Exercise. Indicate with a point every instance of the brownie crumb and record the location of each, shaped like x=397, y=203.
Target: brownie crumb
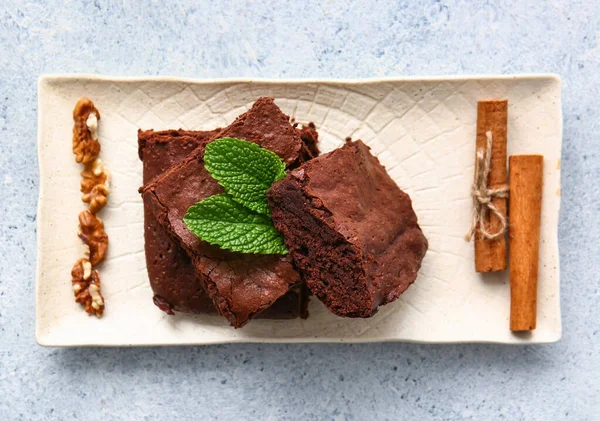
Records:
x=163, y=305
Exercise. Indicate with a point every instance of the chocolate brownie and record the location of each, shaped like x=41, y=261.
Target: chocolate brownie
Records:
x=171, y=273
x=240, y=285
x=351, y=231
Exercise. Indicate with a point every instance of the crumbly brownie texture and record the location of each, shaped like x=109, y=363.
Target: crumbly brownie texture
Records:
x=310, y=140
x=240, y=285
x=351, y=231
x=170, y=270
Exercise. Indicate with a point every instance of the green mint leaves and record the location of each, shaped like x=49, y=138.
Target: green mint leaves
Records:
x=239, y=220
x=245, y=170
x=222, y=221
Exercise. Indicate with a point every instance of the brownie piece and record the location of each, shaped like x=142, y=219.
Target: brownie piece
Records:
x=170, y=271
x=240, y=285
x=351, y=231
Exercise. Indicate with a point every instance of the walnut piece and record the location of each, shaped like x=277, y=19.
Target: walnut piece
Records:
x=91, y=232
x=85, y=138
x=95, y=179
x=86, y=287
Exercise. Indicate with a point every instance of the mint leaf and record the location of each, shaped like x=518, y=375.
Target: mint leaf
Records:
x=222, y=221
x=245, y=170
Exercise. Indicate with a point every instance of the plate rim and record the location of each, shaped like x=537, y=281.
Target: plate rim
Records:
x=48, y=77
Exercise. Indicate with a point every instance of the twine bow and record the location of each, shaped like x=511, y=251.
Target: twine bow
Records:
x=482, y=195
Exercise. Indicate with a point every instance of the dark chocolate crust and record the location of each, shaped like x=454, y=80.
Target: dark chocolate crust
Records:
x=240, y=285
x=351, y=231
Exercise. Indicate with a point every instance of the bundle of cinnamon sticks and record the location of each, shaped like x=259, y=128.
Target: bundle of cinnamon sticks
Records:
x=491, y=191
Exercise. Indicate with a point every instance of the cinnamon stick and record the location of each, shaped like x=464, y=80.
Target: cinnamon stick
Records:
x=492, y=116
x=524, y=238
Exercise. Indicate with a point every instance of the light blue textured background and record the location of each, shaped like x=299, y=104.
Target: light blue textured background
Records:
x=301, y=39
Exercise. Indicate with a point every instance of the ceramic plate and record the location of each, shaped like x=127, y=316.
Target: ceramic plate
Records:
x=422, y=129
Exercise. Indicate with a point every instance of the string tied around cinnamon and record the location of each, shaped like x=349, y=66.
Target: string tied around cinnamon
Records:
x=482, y=195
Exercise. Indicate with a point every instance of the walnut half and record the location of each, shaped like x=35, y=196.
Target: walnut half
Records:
x=95, y=179
x=91, y=232
x=85, y=137
x=86, y=287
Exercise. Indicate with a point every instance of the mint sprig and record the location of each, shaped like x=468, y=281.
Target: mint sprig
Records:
x=222, y=221
x=239, y=220
x=245, y=170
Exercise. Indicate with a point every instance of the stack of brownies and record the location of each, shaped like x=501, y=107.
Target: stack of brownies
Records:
x=353, y=237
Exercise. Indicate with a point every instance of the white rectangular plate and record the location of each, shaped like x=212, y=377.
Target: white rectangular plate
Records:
x=423, y=131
